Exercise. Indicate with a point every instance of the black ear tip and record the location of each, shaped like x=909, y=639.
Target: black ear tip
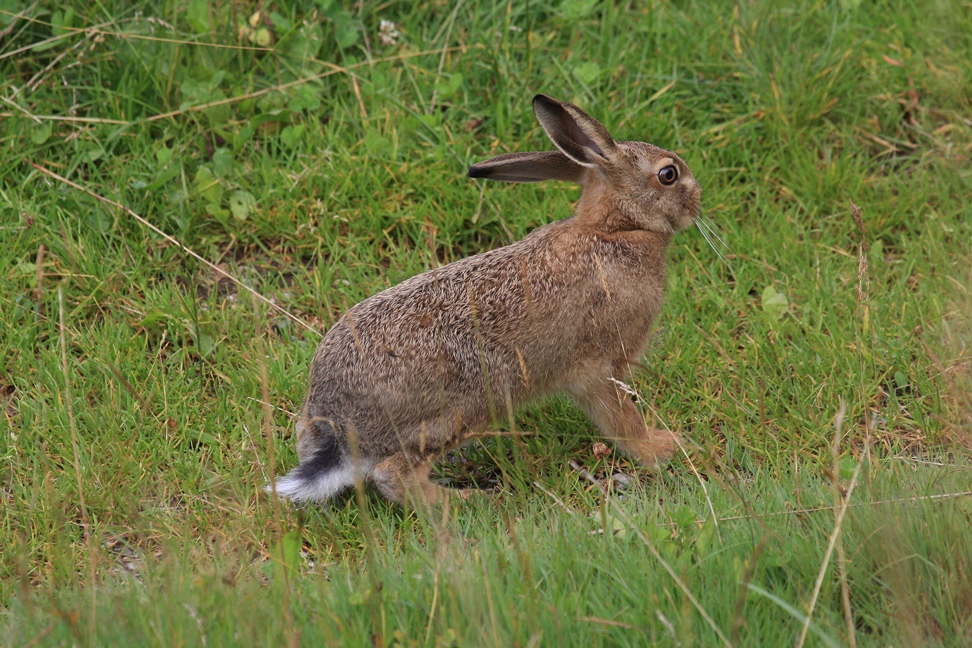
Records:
x=543, y=99
x=476, y=171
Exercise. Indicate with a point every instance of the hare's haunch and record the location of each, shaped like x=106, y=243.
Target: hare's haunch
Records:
x=430, y=363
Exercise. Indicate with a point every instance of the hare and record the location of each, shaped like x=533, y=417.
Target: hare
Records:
x=430, y=363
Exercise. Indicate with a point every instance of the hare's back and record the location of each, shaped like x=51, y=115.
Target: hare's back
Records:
x=522, y=313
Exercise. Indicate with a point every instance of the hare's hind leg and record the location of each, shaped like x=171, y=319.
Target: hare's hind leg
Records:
x=404, y=478
x=620, y=422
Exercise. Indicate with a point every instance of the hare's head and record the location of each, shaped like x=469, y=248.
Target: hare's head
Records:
x=632, y=185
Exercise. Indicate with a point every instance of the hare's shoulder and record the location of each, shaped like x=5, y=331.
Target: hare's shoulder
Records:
x=558, y=255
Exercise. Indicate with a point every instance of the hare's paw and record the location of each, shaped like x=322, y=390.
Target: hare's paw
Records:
x=655, y=449
x=405, y=480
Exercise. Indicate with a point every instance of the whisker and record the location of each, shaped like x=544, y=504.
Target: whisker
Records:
x=715, y=232
x=714, y=239
x=719, y=246
x=711, y=227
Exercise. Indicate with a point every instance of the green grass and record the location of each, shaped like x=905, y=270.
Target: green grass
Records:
x=132, y=466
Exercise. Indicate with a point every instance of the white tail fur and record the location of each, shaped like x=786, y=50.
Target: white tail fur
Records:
x=317, y=487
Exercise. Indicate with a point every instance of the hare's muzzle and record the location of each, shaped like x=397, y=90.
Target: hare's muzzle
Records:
x=691, y=203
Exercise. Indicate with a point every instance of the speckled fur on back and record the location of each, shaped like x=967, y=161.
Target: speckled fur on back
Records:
x=433, y=361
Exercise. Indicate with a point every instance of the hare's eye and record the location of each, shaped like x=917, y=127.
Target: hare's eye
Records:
x=668, y=175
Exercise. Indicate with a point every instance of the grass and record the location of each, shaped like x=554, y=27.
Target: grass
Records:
x=147, y=398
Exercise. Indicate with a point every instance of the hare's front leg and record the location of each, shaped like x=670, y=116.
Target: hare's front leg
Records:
x=613, y=411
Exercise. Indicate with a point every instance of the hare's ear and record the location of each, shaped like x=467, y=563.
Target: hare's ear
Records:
x=528, y=167
x=577, y=134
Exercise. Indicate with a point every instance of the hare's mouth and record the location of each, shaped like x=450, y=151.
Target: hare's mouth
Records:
x=690, y=214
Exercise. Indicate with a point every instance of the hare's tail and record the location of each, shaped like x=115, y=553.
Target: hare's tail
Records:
x=320, y=477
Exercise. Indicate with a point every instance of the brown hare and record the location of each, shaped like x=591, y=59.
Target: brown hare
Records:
x=432, y=362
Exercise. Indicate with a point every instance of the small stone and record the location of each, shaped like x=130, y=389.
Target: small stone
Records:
x=621, y=481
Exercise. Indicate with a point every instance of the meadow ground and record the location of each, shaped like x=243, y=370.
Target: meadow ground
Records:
x=819, y=375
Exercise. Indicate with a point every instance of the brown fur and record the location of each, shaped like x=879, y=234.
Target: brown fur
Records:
x=432, y=362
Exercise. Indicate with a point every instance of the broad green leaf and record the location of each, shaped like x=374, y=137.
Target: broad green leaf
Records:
x=217, y=211
x=165, y=174
x=291, y=135
x=262, y=37
x=242, y=204
x=775, y=304
x=60, y=22
x=306, y=97
x=208, y=186
x=588, y=72
x=617, y=527
x=374, y=142
x=281, y=22
x=197, y=15
x=163, y=155
x=304, y=43
x=345, y=29
x=576, y=9
x=900, y=379
x=704, y=539
x=39, y=133
x=206, y=344
x=448, y=85
x=684, y=517
x=223, y=162
x=846, y=467
x=100, y=221
x=279, y=115
x=28, y=270
x=291, y=542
